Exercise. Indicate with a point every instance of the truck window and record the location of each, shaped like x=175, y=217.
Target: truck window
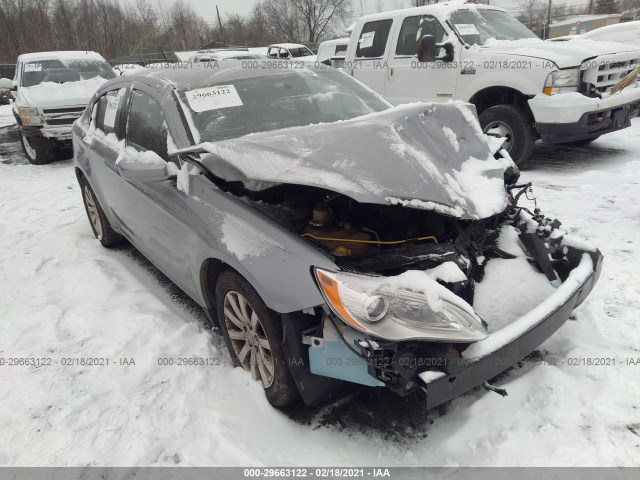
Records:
x=413, y=29
x=373, y=39
x=146, y=128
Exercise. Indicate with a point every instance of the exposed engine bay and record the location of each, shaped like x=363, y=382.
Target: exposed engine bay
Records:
x=386, y=241
x=390, y=239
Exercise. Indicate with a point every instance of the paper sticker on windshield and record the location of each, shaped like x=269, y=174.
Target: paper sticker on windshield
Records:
x=212, y=98
x=467, y=29
x=366, y=40
x=110, y=111
x=33, y=67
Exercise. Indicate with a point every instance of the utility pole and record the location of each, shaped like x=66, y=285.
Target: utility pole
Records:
x=546, y=30
x=590, y=7
x=220, y=23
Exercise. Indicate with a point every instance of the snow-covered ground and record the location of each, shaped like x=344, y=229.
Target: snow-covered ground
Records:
x=63, y=296
x=6, y=117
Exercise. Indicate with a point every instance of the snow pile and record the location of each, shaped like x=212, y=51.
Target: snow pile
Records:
x=6, y=116
x=451, y=136
x=422, y=205
x=511, y=287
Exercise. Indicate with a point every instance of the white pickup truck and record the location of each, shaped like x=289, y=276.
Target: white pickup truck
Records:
x=523, y=88
x=51, y=90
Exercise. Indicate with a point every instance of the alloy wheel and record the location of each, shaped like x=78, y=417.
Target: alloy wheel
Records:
x=248, y=338
x=92, y=210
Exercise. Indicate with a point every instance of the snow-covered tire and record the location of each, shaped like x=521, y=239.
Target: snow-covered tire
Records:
x=580, y=143
x=97, y=219
x=514, y=124
x=253, y=334
x=38, y=153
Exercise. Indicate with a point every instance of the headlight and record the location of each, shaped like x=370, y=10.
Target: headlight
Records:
x=29, y=116
x=562, y=81
x=416, y=307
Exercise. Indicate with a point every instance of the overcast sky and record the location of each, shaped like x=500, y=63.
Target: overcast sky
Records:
x=208, y=8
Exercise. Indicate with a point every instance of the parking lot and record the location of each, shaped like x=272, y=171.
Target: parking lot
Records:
x=573, y=402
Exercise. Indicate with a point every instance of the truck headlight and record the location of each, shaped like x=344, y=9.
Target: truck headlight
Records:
x=29, y=116
x=562, y=81
x=375, y=306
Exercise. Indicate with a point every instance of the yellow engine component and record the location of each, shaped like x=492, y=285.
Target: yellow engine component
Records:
x=340, y=241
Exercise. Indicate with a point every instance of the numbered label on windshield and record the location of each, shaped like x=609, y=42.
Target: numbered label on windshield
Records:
x=213, y=98
x=467, y=29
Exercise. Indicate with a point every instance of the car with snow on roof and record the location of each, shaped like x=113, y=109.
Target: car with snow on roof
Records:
x=52, y=89
x=331, y=236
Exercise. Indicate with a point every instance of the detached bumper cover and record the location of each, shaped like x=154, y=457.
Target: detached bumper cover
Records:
x=504, y=348
x=572, y=117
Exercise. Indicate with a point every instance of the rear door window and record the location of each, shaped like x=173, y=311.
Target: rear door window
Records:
x=373, y=39
x=146, y=124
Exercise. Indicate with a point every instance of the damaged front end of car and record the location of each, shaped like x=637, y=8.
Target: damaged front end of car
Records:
x=439, y=278
x=406, y=317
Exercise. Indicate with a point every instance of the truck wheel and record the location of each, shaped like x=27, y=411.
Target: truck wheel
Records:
x=253, y=334
x=580, y=143
x=38, y=153
x=98, y=220
x=512, y=123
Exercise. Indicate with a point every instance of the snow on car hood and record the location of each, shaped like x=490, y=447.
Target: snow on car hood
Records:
x=430, y=156
x=52, y=95
x=563, y=54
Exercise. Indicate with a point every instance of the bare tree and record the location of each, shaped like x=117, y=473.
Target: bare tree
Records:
x=320, y=17
x=531, y=11
x=282, y=17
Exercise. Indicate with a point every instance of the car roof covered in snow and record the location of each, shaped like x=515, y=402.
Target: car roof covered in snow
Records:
x=203, y=74
x=60, y=55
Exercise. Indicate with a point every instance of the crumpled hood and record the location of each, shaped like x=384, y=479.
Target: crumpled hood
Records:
x=430, y=156
x=563, y=54
x=54, y=95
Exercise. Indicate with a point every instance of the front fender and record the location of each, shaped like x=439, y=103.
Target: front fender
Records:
x=275, y=261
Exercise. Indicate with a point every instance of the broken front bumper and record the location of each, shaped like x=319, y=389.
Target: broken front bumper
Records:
x=504, y=348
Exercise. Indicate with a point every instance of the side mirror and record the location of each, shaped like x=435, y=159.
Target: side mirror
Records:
x=141, y=172
x=427, y=49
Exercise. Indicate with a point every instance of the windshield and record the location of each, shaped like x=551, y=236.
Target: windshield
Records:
x=276, y=100
x=63, y=71
x=477, y=26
